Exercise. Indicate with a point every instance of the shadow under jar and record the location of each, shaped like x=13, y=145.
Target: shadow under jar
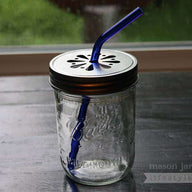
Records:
x=95, y=114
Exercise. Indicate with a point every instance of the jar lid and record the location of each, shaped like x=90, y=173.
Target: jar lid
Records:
x=73, y=72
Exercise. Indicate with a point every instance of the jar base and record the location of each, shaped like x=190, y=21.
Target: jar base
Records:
x=98, y=172
x=96, y=183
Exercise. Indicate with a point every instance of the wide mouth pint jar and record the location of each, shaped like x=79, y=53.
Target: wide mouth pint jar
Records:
x=95, y=114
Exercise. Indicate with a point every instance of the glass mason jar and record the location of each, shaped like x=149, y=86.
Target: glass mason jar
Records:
x=95, y=115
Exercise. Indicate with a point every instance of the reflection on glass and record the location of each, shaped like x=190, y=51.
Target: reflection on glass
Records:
x=125, y=185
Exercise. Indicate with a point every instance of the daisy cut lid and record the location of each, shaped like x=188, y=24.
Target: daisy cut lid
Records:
x=73, y=72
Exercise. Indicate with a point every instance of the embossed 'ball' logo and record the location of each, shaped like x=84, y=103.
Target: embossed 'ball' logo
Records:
x=81, y=61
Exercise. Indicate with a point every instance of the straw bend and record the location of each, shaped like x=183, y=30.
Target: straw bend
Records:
x=112, y=31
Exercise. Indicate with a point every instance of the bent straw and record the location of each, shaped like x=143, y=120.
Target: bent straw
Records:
x=111, y=32
x=78, y=130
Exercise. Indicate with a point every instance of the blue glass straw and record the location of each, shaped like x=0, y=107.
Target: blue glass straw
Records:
x=77, y=133
x=111, y=32
x=78, y=130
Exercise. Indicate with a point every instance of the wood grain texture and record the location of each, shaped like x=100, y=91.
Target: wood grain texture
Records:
x=29, y=157
x=157, y=60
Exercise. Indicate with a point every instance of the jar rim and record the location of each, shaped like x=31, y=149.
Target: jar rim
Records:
x=118, y=78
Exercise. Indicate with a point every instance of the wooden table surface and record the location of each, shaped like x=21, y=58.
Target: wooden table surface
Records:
x=29, y=156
